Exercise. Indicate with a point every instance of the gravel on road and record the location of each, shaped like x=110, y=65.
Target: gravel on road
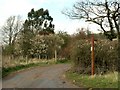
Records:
x=40, y=77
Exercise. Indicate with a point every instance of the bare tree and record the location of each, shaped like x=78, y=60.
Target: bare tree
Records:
x=11, y=29
x=103, y=13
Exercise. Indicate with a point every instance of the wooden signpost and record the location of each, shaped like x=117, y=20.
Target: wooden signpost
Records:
x=92, y=54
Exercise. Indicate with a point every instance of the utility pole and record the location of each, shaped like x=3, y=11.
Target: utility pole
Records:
x=92, y=54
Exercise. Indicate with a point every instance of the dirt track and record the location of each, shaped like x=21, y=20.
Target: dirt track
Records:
x=40, y=77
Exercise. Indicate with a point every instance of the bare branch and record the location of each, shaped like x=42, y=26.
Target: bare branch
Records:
x=105, y=14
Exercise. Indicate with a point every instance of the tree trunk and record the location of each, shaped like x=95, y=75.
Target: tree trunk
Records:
x=39, y=57
x=26, y=59
x=55, y=55
x=119, y=52
x=118, y=63
x=119, y=45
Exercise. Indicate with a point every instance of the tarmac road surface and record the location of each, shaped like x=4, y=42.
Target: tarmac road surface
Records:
x=39, y=77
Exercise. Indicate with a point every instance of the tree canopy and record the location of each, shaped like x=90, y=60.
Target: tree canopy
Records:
x=103, y=13
x=39, y=21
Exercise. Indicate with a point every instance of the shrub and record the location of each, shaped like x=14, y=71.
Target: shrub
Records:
x=62, y=61
x=81, y=55
x=105, y=56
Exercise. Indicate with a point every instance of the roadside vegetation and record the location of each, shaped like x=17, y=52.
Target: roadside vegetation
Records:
x=105, y=56
x=106, y=66
x=109, y=80
x=33, y=42
x=9, y=70
x=107, y=50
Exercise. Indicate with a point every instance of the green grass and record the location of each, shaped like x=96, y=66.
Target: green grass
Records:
x=109, y=80
x=63, y=61
x=6, y=71
x=9, y=70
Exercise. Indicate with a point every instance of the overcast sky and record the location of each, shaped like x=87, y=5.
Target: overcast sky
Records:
x=62, y=22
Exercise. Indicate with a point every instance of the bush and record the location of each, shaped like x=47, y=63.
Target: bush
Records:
x=81, y=55
x=105, y=56
x=62, y=61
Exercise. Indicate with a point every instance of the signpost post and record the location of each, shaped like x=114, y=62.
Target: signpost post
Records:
x=92, y=55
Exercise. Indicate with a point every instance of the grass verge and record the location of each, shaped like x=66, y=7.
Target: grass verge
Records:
x=6, y=71
x=64, y=61
x=109, y=80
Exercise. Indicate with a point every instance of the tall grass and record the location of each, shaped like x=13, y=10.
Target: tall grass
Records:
x=109, y=80
x=12, y=62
